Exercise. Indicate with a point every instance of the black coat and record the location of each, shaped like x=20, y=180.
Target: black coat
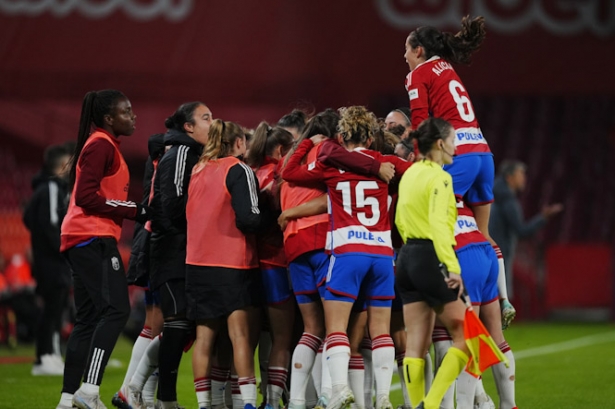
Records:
x=138, y=265
x=507, y=224
x=168, y=240
x=43, y=216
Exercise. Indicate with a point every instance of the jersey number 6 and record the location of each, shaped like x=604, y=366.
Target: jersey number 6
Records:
x=463, y=102
x=361, y=201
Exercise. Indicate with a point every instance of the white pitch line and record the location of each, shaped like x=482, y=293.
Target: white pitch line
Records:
x=566, y=345
x=589, y=340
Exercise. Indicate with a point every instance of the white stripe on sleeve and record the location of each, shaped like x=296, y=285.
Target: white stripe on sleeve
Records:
x=53, y=203
x=252, y=187
x=180, y=169
x=116, y=203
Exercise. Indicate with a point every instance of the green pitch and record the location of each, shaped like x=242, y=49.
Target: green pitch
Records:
x=559, y=366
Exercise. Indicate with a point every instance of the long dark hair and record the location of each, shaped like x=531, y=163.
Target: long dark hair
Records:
x=323, y=123
x=455, y=48
x=96, y=104
x=294, y=120
x=265, y=140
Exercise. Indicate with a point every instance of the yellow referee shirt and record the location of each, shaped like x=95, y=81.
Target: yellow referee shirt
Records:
x=426, y=210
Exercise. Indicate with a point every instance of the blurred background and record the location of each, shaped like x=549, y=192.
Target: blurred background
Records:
x=542, y=85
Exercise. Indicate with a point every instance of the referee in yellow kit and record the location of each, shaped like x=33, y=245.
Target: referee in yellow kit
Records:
x=426, y=217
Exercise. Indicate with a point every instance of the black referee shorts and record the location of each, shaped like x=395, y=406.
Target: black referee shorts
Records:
x=418, y=276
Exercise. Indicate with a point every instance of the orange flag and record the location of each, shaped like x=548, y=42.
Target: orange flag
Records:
x=483, y=348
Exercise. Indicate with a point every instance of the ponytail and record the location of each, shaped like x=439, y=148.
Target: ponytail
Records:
x=264, y=142
x=455, y=48
x=96, y=104
x=85, y=126
x=258, y=145
x=222, y=137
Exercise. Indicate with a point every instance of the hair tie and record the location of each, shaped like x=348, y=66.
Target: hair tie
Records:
x=405, y=116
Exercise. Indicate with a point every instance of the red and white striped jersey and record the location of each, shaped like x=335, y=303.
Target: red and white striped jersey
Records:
x=358, y=205
x=435, y=89
x=466, y=229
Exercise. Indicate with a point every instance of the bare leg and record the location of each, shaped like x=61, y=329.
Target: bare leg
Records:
x=281, y=318
x=201, y=360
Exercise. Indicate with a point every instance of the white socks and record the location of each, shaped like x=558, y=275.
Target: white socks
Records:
x=302, y=362
x=368, y=386
x=502, y=289
x=138, y=349
x=247, y=386
x=505, y=378
x=338, y=358
x=202, y=387
x=276, y=385
x=356, y=379
x=383, y=361
x=466, y=388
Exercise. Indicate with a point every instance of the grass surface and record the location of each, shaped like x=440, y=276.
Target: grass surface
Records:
x=581, y=374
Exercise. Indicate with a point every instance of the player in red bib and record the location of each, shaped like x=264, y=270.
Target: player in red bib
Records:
x=90, y=232
x=360, y=243
x=269, y=146
x=222, y=277
x=435, y=89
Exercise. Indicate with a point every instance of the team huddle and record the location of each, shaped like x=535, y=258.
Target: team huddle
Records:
x=337, y=244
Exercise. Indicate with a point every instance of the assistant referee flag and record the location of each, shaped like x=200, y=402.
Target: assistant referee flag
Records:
x=483, y=348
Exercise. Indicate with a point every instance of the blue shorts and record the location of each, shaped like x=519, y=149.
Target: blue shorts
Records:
x=308, y=273
x=276, y=284
x=473, y=176
x=152, y=298
x=348, y=272
x=479, y=270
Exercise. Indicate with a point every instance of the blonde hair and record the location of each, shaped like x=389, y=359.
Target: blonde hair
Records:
x=357, y=124
x=222, y=137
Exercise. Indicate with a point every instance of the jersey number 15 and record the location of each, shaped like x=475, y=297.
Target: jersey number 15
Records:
x=360, y=200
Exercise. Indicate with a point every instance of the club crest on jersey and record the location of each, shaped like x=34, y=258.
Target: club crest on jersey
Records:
x=115, y=263
x=413, y=94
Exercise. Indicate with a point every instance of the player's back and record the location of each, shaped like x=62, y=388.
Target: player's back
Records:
x=436, y=86
x=466, y=229
x=358, y=209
